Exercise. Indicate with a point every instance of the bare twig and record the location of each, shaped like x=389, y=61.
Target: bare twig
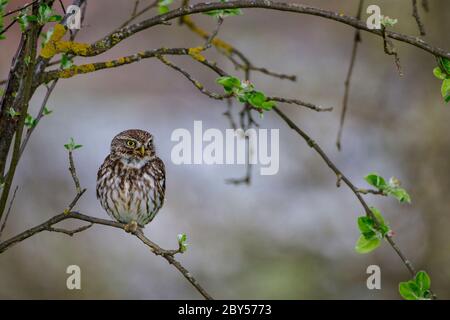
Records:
x=391, y=50
x=301, y=103
x=8, y=211
x=197, y=84
x=73, y=173
x=416, y=16
x=20, y=9
x=135, y=13
x=356, y=41
x=207, y=45
x=371, y=191
x=39, y=116
x=5, y=29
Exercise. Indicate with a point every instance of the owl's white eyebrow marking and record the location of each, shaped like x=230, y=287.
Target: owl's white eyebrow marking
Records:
x=126, y=138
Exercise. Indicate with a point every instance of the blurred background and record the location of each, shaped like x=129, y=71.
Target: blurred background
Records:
x=286, y=236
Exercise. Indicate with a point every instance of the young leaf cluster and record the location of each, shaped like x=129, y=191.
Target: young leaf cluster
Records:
x=182, y=244
x=245, y=92
x=442, y=72
x=71, y=146
x=417, y=288
x=45, y=15
x=371, y=232
x=390, y=189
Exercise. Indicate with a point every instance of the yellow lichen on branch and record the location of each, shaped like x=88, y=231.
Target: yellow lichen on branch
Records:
x=195, y=53
x=218, y=43
x=74, y=70
x=91, y=67
x=54, y=45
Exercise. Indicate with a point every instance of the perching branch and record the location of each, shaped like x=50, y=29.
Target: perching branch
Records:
x=48, y=225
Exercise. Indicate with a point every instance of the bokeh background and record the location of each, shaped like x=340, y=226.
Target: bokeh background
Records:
x=286, y=236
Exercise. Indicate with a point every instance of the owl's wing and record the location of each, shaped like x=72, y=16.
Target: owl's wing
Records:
x=159, y=171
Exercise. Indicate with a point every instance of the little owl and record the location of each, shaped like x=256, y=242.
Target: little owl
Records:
x=131, y=180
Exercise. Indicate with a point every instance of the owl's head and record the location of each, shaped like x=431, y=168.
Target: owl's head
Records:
x=133, y=146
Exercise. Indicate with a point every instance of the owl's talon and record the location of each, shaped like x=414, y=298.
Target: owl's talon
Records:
x=131, y=227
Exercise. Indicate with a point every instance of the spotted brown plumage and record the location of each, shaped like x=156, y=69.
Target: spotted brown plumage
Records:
x=131, y=180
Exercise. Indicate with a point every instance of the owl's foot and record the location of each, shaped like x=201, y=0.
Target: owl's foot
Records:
x=131, y=227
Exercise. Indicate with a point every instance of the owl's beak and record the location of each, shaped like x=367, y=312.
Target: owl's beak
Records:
x=142, y=151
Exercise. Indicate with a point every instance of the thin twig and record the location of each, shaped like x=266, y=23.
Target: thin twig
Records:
x=135, y=14
x=11, y=23
x=356, y=41
x=391, y=50
x=20, y=9
x=301, y=103
x=371, y=191
x=196, y=83
x=39, y=116
x=7, y=212
x=207, y=45
x=73, y=173
x=416, y=16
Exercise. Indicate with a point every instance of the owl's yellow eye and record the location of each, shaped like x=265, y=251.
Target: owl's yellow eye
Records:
x=131, y=143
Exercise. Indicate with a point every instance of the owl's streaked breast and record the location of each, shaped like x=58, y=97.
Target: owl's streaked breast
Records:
x=128, y=193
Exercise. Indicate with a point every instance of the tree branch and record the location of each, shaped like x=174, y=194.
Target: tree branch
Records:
x=351, y=186
x=109, y=41
x=157, y=250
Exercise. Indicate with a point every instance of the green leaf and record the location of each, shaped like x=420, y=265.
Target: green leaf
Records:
x=182, y=238
x=46, y=111
x=408, y=290
x=445, y=89
x=399, y=193
x=229, y=83
x=444, y=63
x=163, y=6
x=365, y=224
x=423, y=281
x=12, y=113
x=55, y=18
x=268, y=105
x=46, y=36
x=30, y=121
x=66, y=61
x=364, y=245
x=388, y=22
x=439, y=74
x=376, y=180
x=378, y=215
x=163, y=9
x=224, y=13
x=256, y=98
